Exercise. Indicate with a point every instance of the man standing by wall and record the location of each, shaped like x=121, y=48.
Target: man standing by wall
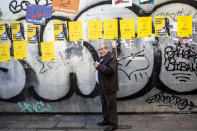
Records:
x=107, y=79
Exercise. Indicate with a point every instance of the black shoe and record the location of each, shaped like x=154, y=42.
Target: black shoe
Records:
x=102, y=123
x=110, y=128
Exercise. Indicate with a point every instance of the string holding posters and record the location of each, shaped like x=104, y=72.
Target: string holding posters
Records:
x=127, y=29
x=122, y=3
x=67, y=6
x=4, y=31
x=144, y=26
x=110, y=29
x=60, y=30
x=48, y=51
x=4, y=52
x=33, y=34
x=184, y=24
x=75, y=31
x=19, y=49
x=94, y=29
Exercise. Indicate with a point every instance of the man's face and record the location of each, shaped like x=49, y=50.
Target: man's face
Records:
x=102, y=50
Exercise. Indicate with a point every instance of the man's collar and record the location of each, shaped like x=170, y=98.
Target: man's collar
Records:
x=104, y=55
x=101, y=57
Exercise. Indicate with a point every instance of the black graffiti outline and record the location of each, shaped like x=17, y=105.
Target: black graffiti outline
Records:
x=133, y=56
x=140, y=12
x=137, y=10
x=3, y=69
x=22, y=95
x=94, y=54
x=170, y=101
x=183, y=77
x=29, y=71
x=47, y=2
x=158, y=55
x=23, y=5
x=174, y=15
x=73, y=77
x=159, y=84
x=188, y=2
x=178, y=51
x=14, y=5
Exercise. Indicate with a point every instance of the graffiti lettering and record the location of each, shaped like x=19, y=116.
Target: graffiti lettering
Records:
x=174, y=15
x=37, y=107
x=48, y=66
x=170, y=101
x=182, y=57
x=43, y=2
x=16, y=7
x=129, y=59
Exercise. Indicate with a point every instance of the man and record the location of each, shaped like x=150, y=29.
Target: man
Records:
x=107, y=79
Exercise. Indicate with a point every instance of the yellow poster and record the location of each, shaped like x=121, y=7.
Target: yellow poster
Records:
x=184, y=24
x=75, y=31
x=33, y=34
x=3, y=33
x=4, y=52
x=127, y=29
x=111, y=29
x=60, y=30
x=94, y=29
x=48, y=51
x=17, y=30
x=144, y=26
x=162, y=24
x=19, y=49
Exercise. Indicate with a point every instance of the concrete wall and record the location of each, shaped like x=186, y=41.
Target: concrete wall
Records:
x=164, y=80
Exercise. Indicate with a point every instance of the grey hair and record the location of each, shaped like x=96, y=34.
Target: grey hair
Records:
x=105, y=45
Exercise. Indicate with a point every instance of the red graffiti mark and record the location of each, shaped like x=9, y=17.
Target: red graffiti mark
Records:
x=65, y=4
x=39, y=15
x=117, y=2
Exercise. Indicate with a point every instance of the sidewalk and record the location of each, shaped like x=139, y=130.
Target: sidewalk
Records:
x=87, y=122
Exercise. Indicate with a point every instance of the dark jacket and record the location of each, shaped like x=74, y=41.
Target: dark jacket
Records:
x=107, y=74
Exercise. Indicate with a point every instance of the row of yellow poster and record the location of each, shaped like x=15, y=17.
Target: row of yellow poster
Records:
x=75, y=33
x=19, y=48
x=127, y=28
x=95, y=32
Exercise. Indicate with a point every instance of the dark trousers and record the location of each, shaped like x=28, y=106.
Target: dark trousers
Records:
x=109, y=108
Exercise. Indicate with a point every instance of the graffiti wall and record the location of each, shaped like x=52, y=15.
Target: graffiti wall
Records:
x=156, y=74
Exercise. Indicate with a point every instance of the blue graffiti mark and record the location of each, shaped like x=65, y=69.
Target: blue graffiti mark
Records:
x=35, y=107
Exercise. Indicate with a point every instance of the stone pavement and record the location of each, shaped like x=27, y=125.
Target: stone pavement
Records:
x=87, y=122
